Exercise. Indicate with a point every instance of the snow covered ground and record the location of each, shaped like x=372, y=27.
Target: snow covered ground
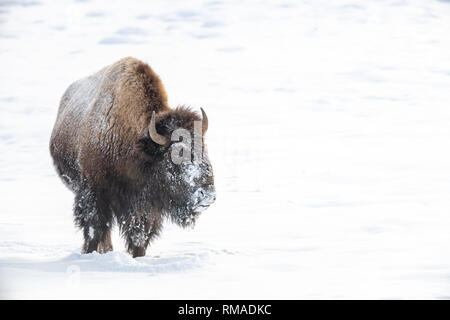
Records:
x=329, y=136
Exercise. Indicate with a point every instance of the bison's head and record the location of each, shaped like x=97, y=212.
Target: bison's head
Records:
x=181, y=176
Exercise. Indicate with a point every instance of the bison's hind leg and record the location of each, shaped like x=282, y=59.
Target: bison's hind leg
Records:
x=94, y=217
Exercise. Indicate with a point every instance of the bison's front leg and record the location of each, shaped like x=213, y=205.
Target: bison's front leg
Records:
x=105, y=243
x=94, y=217
x=138, y=231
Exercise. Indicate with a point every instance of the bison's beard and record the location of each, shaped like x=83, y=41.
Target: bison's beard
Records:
x=183, y=216
x=181, y=192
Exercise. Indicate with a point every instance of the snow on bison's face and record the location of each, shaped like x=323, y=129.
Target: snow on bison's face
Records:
x=181, y=173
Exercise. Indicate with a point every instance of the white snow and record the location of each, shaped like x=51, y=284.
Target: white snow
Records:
x=329, y=127
x=91, y=233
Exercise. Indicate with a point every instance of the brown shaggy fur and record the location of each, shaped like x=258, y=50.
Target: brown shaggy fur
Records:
x=102, y=152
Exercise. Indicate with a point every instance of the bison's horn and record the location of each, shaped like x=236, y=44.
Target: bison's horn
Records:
x=204, y=121
x=154, y=135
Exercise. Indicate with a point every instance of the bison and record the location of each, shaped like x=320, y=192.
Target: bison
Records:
x=113, y=144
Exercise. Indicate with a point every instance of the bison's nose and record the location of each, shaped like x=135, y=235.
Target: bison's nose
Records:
x=206, y=196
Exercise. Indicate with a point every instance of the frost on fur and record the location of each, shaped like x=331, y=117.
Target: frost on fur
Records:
x=118, y=166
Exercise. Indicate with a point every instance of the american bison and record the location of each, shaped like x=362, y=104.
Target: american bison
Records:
x=113, y=146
